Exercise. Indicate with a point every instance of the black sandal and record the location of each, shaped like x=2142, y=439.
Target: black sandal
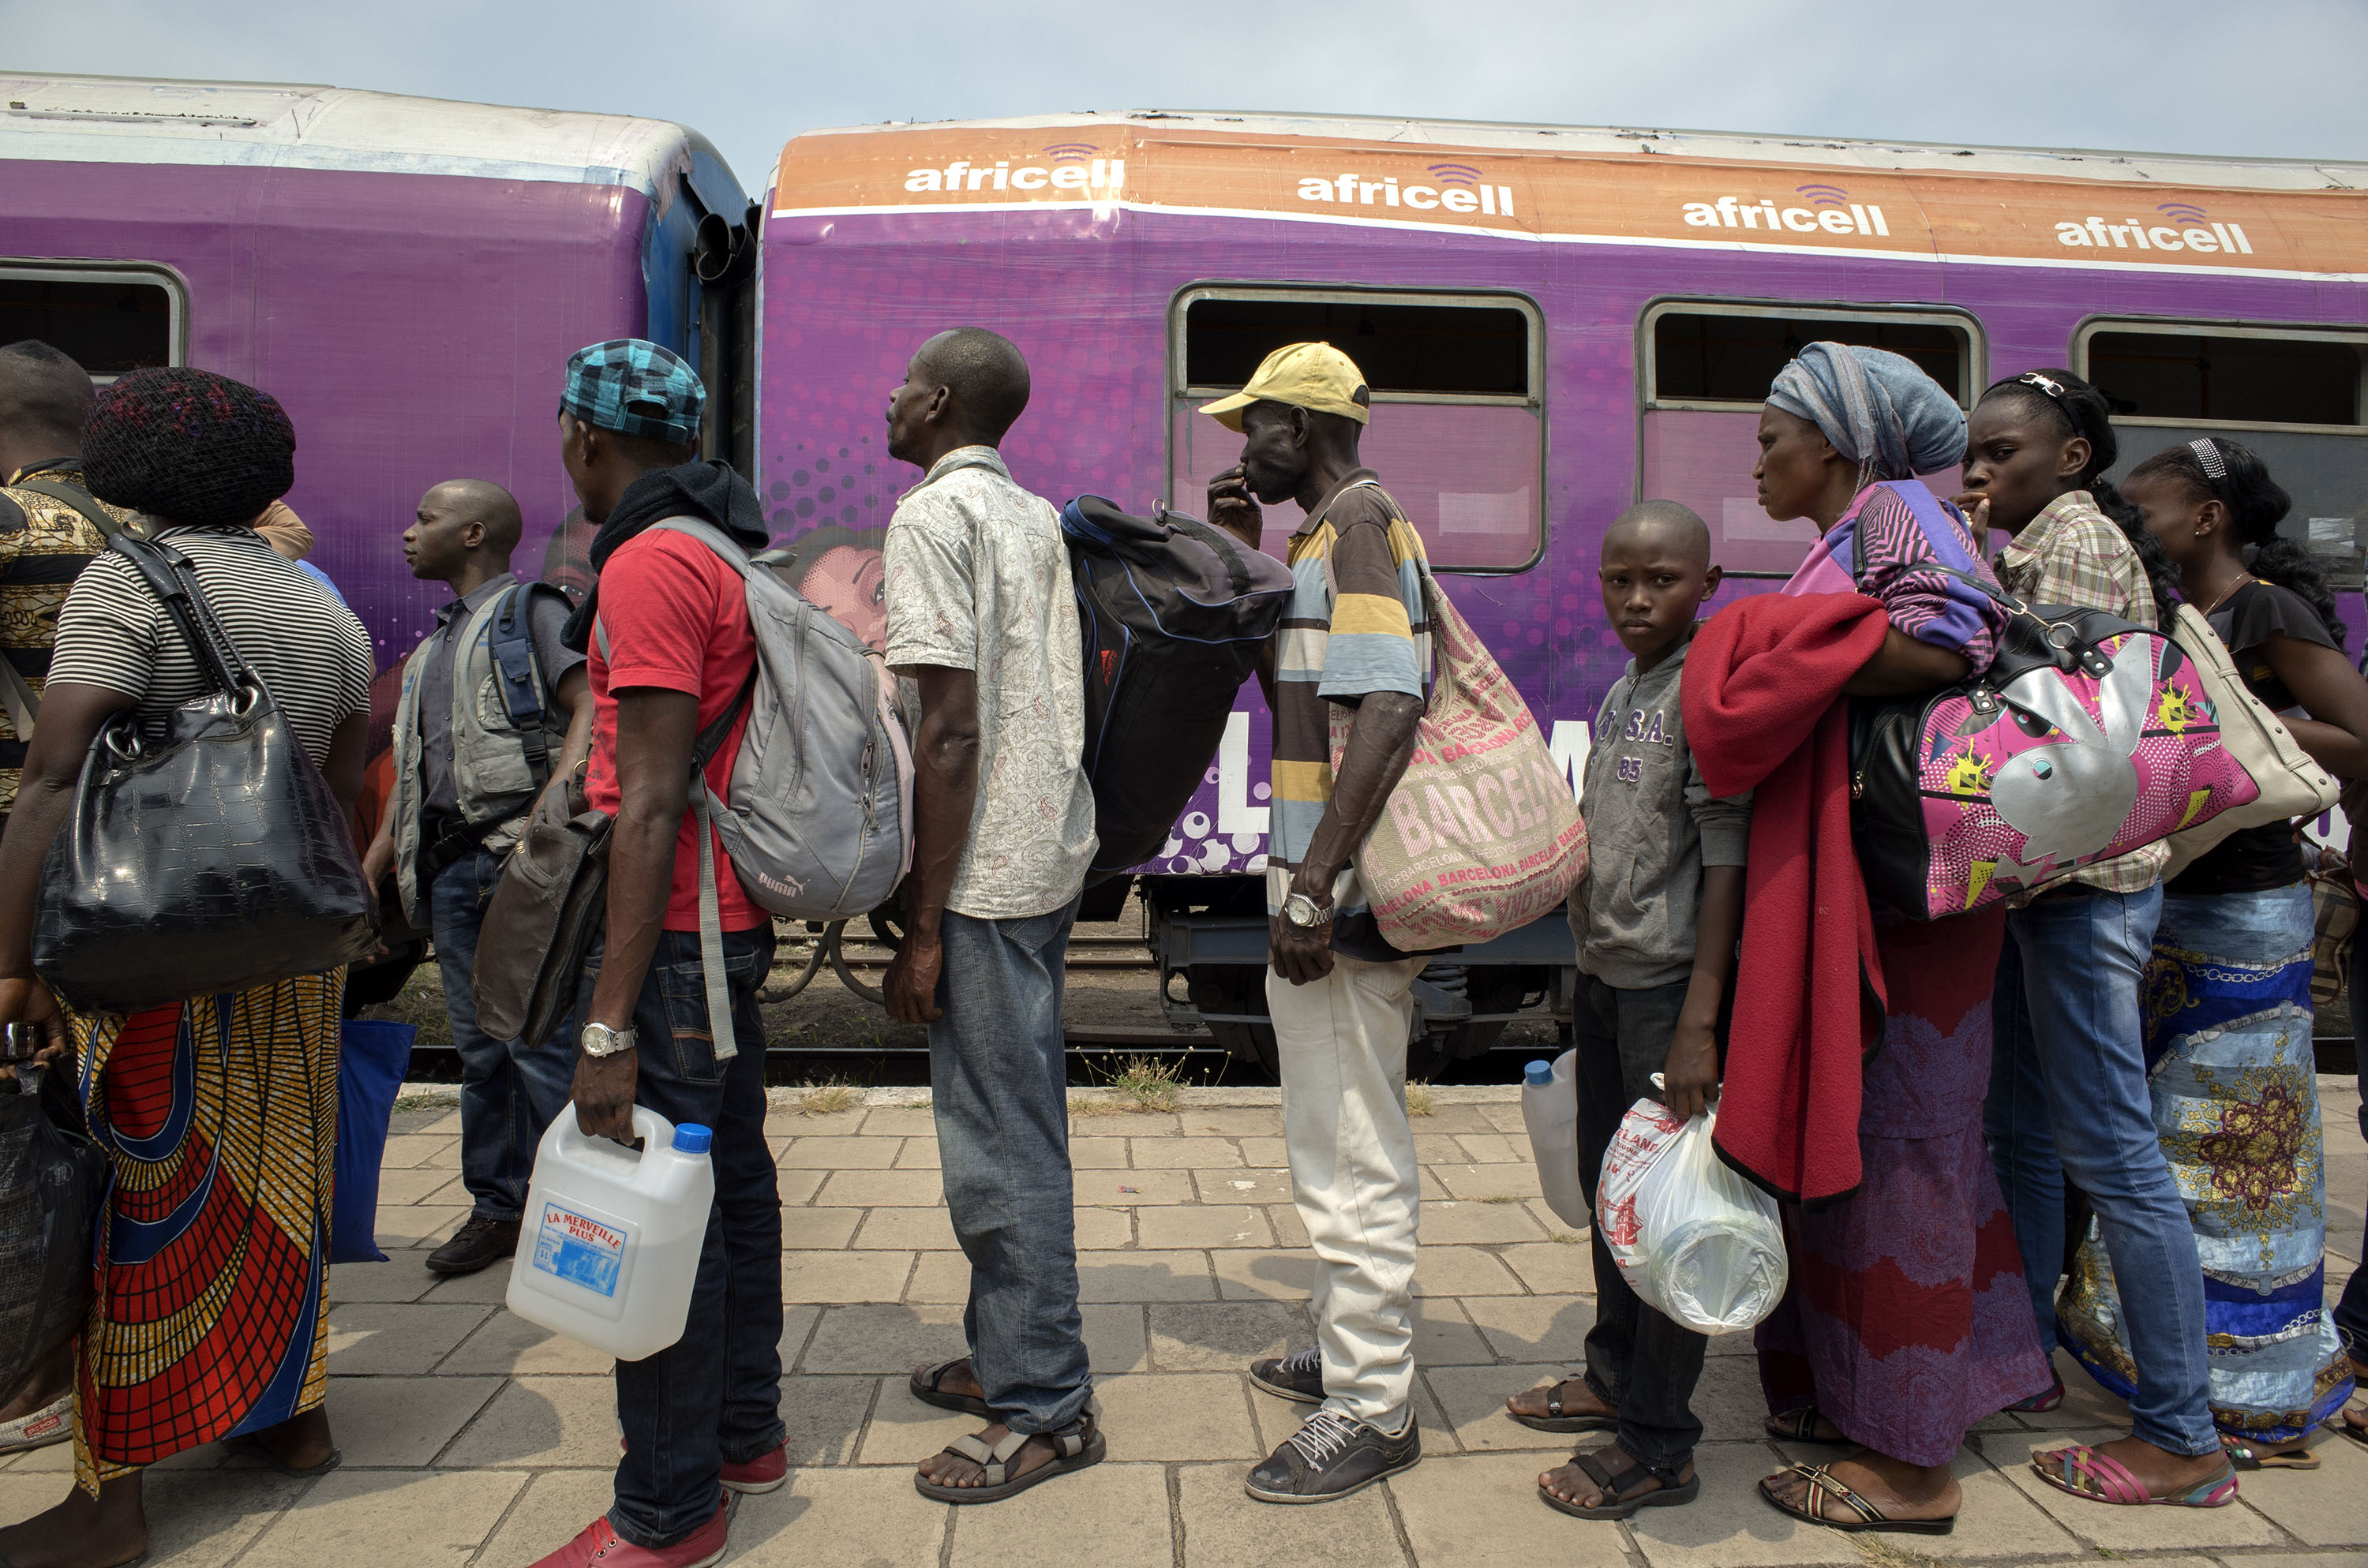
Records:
x=1617, y=1502
x=1554, y=1420
x=1823, y=1486
x=1799, y=1425
x=1074, y=1448
x=923, y=1386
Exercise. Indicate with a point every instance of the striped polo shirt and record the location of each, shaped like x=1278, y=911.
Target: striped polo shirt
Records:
x=1356, y=626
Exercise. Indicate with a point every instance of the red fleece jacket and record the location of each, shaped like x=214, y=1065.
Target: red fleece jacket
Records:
x=1761, y=700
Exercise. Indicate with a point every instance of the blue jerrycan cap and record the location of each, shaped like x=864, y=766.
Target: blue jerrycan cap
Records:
x=692, y=1138
x=1538, y=1073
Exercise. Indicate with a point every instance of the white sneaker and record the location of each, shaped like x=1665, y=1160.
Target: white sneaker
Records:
x=53, y=1424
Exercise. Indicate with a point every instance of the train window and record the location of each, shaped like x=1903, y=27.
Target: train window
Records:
x=1458, y=432
x=109, y=320
x=1704, y=369
x=2213, y=374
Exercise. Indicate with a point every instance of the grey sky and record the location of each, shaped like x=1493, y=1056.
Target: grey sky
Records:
x=2278, y=77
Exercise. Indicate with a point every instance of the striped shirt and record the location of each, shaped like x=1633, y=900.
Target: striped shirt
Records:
x=310, y=652
x=1356, y=626
x=44, y=545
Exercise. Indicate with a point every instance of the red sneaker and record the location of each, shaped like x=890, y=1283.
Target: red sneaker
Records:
x=602, y=1545
x=766, y=1472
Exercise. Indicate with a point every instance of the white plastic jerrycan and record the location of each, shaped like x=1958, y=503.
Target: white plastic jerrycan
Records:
x=1550, y=1110
x=609, y=1250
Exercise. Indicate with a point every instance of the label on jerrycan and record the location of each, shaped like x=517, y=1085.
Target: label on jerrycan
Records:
x=579, y=1247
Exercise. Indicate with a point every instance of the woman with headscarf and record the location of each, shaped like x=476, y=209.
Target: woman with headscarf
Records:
x=1905, y=1320
x=219, y=1114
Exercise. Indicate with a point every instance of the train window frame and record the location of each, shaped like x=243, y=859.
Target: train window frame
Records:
x=155, y=274
x=2086, y=331
x=1182, y=391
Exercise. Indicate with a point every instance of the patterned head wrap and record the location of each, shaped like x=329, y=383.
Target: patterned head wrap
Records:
x=188, y=446
x=1878, y=409
x=636, y=388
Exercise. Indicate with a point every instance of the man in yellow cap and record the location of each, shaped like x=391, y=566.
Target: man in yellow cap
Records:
x=1355, y=636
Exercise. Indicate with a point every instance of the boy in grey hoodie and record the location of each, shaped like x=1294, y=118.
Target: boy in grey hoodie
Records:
x=1657, y=922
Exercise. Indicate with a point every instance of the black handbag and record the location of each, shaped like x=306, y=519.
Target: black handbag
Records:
x=208, y=860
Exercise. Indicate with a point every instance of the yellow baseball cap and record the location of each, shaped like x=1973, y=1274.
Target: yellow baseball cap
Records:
x=1305, y=375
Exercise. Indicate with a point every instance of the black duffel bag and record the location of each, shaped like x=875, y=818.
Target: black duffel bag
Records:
x=1174, y=614
x=209, y=859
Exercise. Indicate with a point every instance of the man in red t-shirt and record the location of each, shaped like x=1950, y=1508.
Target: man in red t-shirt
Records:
x=671, y=654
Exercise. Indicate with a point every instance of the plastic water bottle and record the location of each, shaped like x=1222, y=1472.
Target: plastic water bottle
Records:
x=1550, y=1110
x=608, y=1252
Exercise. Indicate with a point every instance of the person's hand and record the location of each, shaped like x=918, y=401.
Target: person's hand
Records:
x=1976, y=506
x=603, y=1093
x=377, y=862
x=1689, y=1073
x=911, y=984
x=1233, y=508
x=1300, y=954
x=27, y=1000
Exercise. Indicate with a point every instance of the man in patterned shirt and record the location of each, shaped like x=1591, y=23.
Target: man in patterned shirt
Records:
x=1354, y=643
x=49, y=529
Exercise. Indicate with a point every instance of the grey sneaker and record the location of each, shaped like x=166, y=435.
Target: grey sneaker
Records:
x=1299, y=1377
x=1333, y=1456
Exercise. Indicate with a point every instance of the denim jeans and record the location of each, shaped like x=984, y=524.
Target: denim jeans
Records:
x=1637, y=1359
x=508, y=1093
x=714, y=1396
x=2352, y=1310
x=998, y=1074
x=2068, y=1099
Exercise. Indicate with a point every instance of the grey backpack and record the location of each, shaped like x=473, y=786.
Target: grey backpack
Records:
x=819, y=824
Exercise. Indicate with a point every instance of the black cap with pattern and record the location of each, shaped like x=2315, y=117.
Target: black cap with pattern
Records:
x=190, y=447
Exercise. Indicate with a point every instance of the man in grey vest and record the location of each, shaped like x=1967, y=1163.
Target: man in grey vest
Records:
x=496, y=709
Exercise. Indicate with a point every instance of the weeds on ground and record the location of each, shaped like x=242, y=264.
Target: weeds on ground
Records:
x=1500, y=1200
x=1883, y=1554
x=1419, y=1100
x=425, y=1102
x=1143, y=1085
x=833, y=1094
x=1566, y=1239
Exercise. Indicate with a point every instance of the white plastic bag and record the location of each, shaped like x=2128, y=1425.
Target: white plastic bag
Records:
x=1693, y=1240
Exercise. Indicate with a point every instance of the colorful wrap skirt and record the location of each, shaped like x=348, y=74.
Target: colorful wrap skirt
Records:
x=219, y=1117
x=2236, y=1100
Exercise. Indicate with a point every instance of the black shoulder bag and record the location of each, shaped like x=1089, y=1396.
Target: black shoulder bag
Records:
x=210, y=859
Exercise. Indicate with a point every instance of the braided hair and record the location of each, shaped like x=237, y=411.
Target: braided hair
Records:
x=190, y=447
x=2256, y=504
x=2081, y=411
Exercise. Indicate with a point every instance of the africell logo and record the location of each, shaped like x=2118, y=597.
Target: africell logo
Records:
x=1829, y=211
x=2190, y=229
x=1460, y=189
x=1064, y=166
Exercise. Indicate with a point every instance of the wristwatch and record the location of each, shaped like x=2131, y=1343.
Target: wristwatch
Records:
x=1306, y=913
x=599, y=1041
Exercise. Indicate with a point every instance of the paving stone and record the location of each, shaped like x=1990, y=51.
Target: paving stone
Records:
x=1554, y=1225
x=1263, y=1276
x=1443, y=1335
x=1730, y=1404
x=1456, y=1118
x=1469, y=1182
x=438, y=1517
x=1730, y=1523
x=797, y=1327
x=556, y=1505
x=2125, y=1529
x=1138, y=1124
x=1144, y=1277
x=403, y=1277
x=2328, y=1506
x=1167, y=1417
x=1461, y=1271
x=1471, y=1400
x=1288, y=1232
x=833, y=1124
x=825, y=1418
x=800, y=1186
x=487, y=1287
x=407, y=1151
x=873, y=1190
x=2085, y=1405
x=1232, y=1121
x=1224, y=1528
x=417, y=1184
x=537, y=1422
x=1203, y=1225
x=922, y=1229
x=840, y=1153
x=1183, y=1154
x=882, y=1339
x=918, y=1155
x=376, y=1337
x=1113, y=1515
x=842, y=1518
x=1244, y=1187
x=1552, y=1269
x=195, y=1520
x=939, y=1277
x=1480, y=1511
x=1225, y=1336
x=1482, y=1225
x=1097, y=1154
x=1534, y=1328
x=1438, y=1149
x=417, y=1224
x=445, y=1126
x=809, y=1228
x=900, y=1121
x=508, y=1345
x=402, y=1422
x=904, y=1431
x=1131, y=1188
x=845, y=1276
x=1504, y=1118
x=1994, y=1520
x=1100, y=1230
x=1116, y=1341
x=1269, y=1152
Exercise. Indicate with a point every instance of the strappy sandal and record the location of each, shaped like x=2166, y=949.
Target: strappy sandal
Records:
x=1074, y=1448
x=2040, y=1403
x=2085, y=1473
x=251, y=1447
x=1799, y=1425
x=1823, y=1486
x=2245, y=1455
x=1554, y=1420
x=2356, y=1431
x=923, y=1386
x=1617, y=1502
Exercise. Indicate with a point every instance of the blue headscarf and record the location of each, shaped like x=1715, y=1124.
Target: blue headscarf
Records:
x=1877, y=408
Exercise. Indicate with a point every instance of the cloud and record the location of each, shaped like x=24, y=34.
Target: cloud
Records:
x=2278, y=78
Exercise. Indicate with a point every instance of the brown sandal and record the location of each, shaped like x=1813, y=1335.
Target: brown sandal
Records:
x=1074, y=1448
x=1799, y=1425
x=1554, y=1420
x=1615, y=1499
x=924, y=1382
x=1823, y=1486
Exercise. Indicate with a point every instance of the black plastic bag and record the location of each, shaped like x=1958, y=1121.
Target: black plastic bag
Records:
x=53, y=1187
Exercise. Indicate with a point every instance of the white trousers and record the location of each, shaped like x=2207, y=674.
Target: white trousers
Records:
x=1342, y=1040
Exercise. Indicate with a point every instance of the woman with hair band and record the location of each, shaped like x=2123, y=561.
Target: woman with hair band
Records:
x=2227, y=999
x=2069, y=1097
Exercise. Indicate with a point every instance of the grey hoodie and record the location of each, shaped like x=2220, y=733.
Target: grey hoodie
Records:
x=1651, y=827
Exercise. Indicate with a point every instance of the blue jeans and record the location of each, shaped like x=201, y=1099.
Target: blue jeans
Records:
x=713, y=1397
x=1000, y=1081
x=2068, y=1098
x=508, y=1093
x=1642, y=1362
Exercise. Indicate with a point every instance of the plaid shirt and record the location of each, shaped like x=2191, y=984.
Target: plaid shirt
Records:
x=2074, y=554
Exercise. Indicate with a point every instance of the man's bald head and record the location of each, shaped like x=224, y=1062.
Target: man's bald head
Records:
x=1669, y=524
x=482, y=502
x=986, y=374
x=45, y=400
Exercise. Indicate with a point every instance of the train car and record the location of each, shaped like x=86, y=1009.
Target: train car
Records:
x=1556, y=322
x=407, y=276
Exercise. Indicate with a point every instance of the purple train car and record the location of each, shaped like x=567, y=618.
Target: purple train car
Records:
x=1556, y=322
